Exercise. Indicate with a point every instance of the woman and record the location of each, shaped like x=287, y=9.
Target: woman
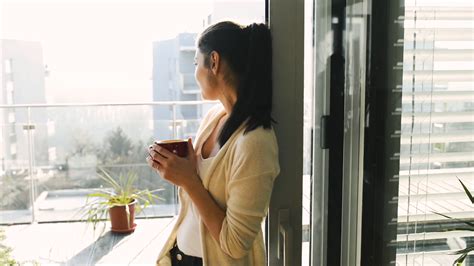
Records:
x=226, y=181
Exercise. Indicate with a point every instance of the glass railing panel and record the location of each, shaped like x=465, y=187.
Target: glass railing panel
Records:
x=72, y=145
x=15, y=181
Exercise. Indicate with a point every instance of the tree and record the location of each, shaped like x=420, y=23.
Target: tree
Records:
x=117, y=148
x=82, y=144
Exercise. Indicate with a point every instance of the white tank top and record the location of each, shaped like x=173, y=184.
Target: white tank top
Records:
x=189, y=236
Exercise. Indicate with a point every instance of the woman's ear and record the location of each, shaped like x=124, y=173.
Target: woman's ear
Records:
x=214, y=62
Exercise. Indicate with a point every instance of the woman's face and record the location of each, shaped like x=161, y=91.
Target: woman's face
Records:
x=205, y=78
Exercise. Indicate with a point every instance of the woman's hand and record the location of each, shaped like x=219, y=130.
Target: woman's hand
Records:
x=183, y=172
x=177, y=170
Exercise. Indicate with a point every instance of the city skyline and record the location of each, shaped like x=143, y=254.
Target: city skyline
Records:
x=85, y=63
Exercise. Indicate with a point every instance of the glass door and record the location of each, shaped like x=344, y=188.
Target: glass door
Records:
x=318, y=53
x=325, y=86
x=418, y=144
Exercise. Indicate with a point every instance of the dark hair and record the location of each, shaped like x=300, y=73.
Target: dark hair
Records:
x=247, y=51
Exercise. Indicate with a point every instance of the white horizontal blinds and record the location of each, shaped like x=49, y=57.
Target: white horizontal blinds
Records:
x=437, y=130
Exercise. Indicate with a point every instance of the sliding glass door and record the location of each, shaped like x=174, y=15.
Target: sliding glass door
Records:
x=419, y=130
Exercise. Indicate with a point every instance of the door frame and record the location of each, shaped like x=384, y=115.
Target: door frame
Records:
x=286, y=21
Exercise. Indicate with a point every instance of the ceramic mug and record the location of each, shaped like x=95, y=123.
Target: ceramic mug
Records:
x=176, y=146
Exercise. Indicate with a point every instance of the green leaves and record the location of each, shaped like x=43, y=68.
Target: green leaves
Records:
x=455, y=219
x=5, y=252
x=468, y=193
x=122, y=192
x=460, y=260
x=463, y=252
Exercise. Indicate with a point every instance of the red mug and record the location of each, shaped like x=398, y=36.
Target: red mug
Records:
x=176, y=146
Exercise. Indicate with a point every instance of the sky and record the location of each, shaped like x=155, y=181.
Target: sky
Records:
x=99, y=50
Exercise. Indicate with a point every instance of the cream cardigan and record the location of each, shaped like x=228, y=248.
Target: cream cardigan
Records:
x=240, y=180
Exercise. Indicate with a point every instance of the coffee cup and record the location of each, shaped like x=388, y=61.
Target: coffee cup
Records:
x=176, y=146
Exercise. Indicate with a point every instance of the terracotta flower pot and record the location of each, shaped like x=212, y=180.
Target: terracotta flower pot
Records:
x=118, y=218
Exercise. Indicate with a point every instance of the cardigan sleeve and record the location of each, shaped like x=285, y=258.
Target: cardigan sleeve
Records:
x=253, y=169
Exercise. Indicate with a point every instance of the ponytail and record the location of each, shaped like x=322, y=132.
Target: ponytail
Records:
x=248, y=52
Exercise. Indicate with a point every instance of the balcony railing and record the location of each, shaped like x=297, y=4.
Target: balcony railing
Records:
x=51, y=153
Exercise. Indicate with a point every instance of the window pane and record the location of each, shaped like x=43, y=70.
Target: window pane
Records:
x=437, y=137
x=308, y=131
x=142, y=52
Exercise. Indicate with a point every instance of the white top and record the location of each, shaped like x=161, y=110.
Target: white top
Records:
x=189, y=237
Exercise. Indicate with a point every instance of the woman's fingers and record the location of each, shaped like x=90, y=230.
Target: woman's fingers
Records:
x=191, y=152
x=170, y=166
x=154, y=164
x=164, y=152
x=157, y=157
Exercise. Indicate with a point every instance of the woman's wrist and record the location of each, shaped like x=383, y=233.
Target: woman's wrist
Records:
x=192, y=183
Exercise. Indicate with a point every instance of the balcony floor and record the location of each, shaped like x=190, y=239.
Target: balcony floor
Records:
x=78, y=244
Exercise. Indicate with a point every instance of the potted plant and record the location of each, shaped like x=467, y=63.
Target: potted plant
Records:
x=6, y=258
x=469, y=227
x=121, y=201
x=5, y=252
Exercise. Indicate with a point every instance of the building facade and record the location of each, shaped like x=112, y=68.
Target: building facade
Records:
x=23, y=82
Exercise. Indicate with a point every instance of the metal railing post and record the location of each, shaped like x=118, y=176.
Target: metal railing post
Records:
x=175, y=133
x=29, y=127
x=175, y=188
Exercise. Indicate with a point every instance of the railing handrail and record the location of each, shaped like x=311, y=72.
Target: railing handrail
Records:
x=31, y=165
x=154, y=103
